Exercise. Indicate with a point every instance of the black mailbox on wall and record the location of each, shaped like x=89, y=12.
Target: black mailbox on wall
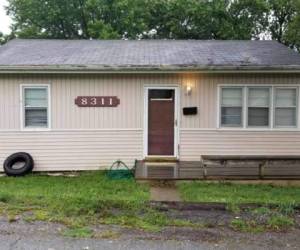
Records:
x=190, y=111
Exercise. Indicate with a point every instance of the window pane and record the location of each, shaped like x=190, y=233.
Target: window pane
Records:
x=232, y=97
x=258, y=97
x=285, y=117
x=231, y=117
x=36, y=117
x=35, y=97
x=161, y=93
x=285, y=97
x=258, y=117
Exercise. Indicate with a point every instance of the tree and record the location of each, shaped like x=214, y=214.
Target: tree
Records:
x=117, y=18
x=181, y=19
x=157, y=19
x=5, y=38
x=49, y=18
x=292, y=34
x=281, y=13
x=241, y=19
x=2, y=39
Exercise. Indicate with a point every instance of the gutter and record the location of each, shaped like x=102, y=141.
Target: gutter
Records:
x=116, y=69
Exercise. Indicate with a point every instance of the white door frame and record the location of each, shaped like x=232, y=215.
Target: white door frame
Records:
x=176, y=120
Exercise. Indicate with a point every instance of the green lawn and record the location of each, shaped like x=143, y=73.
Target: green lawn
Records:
x=91, y=198
x=86, y=188
x=77, y=201
x=238, y=193
x=80, y=202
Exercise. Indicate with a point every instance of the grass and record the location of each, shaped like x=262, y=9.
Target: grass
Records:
x=91, y=198
x=76, y=202
x=108, y=234
x=80, y=202
x=280, y=217
x=238, y=193
x=78, y=233
x=263, y=219
x=246, y=226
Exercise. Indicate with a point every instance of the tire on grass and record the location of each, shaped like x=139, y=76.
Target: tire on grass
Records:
x=26, y=167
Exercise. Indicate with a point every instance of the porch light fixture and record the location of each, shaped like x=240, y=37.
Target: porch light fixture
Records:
x=188, y=90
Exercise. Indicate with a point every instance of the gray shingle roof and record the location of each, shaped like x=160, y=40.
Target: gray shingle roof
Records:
x=147, y=55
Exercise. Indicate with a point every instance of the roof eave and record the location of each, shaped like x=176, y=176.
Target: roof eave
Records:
x=80, y=69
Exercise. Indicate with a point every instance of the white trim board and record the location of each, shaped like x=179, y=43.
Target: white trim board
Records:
x=75, y=130
x=176, y=120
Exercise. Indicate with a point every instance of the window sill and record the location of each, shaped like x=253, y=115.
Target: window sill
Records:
x=35, y=129
x=259, y=129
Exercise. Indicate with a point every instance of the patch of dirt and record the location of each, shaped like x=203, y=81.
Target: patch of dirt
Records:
x=178, y=233
x=216, y=215
x=213, y=227
x=218, y=236
x=210, y=218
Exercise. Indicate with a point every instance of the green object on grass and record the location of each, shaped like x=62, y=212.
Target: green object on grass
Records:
x=119, y=171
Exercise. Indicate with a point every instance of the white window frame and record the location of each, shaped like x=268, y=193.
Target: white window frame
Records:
x=296, y=107
x=22, y=106
x=221, y=106
x=246, y=89
x=245, y=107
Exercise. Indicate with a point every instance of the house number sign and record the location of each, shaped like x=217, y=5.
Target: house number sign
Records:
x=97, y=101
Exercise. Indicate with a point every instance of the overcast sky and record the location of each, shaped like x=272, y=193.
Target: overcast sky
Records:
x=4, y=19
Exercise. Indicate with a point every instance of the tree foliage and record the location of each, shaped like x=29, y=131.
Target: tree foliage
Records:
x=157, y=19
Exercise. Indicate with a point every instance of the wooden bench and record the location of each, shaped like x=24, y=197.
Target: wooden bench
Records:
x=251, y=166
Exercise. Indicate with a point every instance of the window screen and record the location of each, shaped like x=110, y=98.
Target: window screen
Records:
x=285, y=107
x=36, y=107
x=231, y=107
x=258, y=107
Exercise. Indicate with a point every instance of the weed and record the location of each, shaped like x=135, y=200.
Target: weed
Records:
x=279, y=222
x=263, y=219
x=78, y=233
x=109, y=234
x=12, y=218
x=246, y=226
x=41, y=215
x=286, y=208
x=261, y=211
x=233, y=207
x=5, y=198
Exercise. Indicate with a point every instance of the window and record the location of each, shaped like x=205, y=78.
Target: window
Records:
x=161, y=94
x=285, y=104
x=258, y=107
x=35, y=107
x=231, y=107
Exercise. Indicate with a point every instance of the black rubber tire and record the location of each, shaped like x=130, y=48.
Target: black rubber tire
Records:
x=18, y=157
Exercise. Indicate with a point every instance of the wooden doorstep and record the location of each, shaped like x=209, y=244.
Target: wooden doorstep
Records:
x=160, y=159
x=249, y=157
x=199, y=171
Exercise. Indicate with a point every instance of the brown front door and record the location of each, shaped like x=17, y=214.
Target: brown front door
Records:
x=161, y=106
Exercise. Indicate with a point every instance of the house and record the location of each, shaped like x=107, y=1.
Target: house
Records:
x=81, y=105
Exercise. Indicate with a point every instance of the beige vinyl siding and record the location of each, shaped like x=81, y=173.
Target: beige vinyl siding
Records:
x=74, y=150
x=92, y=138
x=65, y=88
x=195, y=143
x=205, y=93
x=130, y=89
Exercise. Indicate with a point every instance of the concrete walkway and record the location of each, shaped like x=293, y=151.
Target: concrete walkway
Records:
x=164, y=194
